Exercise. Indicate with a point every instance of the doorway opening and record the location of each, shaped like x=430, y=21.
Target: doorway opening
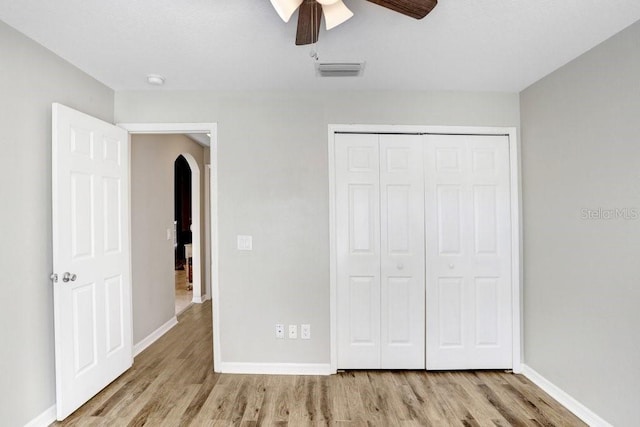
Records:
x=182, y=234
x=206, y=135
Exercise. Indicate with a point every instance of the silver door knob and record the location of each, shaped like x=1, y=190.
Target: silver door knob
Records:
x=69, y=277
x=451, y=266
x=400, y=266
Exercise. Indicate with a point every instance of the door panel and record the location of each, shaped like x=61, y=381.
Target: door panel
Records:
x=113, y=300
x=358, y=250
x=84, y=328
x=399, y=310
x=485, y=219
x=449, y=307
x=449, y=219
x=487, y=312
x=380, y=241
x=468, y=256
x=363, y=307
x=402, y=252
x=363, y=202
x=93, y=308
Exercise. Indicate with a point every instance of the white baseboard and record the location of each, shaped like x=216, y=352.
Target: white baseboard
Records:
x=198, y=300
x=44, y=419
x=153, y=336
x=578, y=409
x=275, y=368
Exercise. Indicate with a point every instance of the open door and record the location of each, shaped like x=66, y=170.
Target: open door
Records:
x=91, y=262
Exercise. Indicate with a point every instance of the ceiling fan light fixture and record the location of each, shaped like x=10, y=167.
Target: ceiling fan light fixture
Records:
x=327, y=2
x=335, y=13
x=285, y=8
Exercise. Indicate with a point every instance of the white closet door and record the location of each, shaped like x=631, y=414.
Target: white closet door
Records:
x=380, y=247
x=402, y=252
x=358, y=250
x=468, y=252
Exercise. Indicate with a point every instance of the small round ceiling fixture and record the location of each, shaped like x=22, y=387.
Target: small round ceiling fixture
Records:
x=155, y=79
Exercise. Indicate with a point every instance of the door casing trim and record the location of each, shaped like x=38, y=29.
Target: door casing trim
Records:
x=212, y=130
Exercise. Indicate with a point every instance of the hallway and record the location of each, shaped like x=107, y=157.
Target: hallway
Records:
x=184, y=291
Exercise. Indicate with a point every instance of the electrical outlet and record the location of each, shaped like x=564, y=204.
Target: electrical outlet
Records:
x=305, y=331
x=279, y=330
x=293, y=332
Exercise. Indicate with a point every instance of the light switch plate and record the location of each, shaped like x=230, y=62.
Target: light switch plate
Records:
x=245, y=243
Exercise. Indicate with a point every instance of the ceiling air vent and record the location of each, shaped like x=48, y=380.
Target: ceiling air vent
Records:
x=339, y=69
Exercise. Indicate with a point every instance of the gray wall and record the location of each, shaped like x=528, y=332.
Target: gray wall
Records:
x=152, y=255
x=581, y=150
x=273, y=184
x=31, y=78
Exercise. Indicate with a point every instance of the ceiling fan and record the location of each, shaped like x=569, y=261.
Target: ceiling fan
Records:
x=336, y=12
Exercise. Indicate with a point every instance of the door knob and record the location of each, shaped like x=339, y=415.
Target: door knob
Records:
x=451, y=266
x=69, y=277
x=400, y=266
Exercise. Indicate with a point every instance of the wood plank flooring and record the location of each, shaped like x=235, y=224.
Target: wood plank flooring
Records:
x=172, y=384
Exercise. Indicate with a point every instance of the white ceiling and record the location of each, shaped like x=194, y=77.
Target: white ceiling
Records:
x=483, y=45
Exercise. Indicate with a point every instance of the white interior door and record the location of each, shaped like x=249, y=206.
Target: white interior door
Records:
x=468, y=230
x=402, y=252
x=380, y=249
x=92, y=296
x=358, y=250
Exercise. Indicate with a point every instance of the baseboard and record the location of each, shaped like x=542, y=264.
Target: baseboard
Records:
x=578, y=409
x=198, y=300
x=153, y=336
x=275, y=368
x=44, y=419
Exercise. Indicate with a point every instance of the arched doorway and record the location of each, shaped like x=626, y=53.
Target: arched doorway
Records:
x=187, y=226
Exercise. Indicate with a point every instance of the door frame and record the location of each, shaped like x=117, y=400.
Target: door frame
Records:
x=212, y=130
x=516, y=220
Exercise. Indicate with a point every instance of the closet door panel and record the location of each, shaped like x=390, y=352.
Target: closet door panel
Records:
x=467, y=213
x=358, y=250
x=402, y=252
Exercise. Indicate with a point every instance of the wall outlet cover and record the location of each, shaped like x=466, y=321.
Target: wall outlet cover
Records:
x=293, y=332
x=279, y=330
x=305, y=331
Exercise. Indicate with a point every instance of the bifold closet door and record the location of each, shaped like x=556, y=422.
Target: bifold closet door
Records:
x=380, y=250
x=468, y=230
x=357, y=171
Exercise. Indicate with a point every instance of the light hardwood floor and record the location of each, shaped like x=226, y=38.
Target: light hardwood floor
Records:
x=184, y=295
x=172, y=384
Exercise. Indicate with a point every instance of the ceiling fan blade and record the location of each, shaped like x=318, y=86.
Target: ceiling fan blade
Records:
x=414, y=8
x=335, y=14
x=285, y=8
x=309, y=17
